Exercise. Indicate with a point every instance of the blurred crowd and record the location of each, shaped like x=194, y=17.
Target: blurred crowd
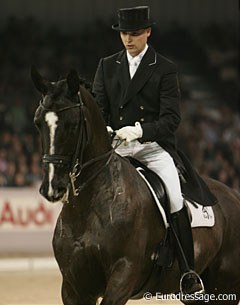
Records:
x=207, y=60
x=210, y=137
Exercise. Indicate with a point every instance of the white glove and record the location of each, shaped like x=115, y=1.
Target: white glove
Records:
x=130, y=133
x=109, y=130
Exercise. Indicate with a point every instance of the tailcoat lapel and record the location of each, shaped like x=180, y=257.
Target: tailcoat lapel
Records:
x=122, y=74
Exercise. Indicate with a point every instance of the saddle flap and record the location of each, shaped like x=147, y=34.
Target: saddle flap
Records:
x=156, y=186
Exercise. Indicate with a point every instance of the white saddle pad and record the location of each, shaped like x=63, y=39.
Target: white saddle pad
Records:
x=201, y=216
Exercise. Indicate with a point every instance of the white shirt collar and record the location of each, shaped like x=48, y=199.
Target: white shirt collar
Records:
x=139, y=57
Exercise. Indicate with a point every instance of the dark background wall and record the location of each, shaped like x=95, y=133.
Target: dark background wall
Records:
x=69, y=14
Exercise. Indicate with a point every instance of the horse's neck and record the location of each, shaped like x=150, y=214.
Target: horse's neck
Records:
x=97, y=147
x=98, y=139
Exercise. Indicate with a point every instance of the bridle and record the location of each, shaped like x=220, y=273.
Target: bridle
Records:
x=75, y=162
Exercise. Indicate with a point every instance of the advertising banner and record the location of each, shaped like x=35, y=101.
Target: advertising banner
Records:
x=24, y=209
x=27, y=221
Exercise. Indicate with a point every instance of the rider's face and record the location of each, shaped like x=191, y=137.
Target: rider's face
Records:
x=135, y=41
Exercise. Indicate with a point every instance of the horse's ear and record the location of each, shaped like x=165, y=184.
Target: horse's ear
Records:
x=41, y=84
x=73, y=82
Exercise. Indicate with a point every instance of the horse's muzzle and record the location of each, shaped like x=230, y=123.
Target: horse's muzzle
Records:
x=53, y=194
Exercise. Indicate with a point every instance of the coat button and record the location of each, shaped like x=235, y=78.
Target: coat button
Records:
x=141, y=107
x=121, y=107
x=142, y=120
x=121, y=118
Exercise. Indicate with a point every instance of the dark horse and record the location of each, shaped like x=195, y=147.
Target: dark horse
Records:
x=107, y=232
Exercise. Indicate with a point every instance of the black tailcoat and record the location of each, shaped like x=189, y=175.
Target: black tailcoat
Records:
x=152, y=98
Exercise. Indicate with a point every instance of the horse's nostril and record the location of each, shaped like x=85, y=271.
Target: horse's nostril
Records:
x=59, y=192
x=62, y=190
x=41, y=190
x=56, y=193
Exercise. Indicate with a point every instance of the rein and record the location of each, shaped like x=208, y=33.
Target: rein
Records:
x=74, y=174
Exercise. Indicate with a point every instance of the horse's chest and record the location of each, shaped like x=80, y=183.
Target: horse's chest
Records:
x=78, y=256
x=74, y=242
x=89, y=239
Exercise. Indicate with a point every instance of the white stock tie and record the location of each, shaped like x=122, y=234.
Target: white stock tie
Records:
x=133, y=65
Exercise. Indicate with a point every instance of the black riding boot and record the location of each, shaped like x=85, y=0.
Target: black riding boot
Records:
x=190, y=281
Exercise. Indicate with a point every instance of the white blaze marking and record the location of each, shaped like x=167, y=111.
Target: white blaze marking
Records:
x=51, y=118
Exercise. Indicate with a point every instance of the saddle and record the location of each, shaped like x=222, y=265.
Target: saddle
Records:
x=155, y=182
x=200, y=214
x=194, y=189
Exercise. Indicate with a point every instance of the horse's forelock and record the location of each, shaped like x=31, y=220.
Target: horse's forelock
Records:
x=58, y=90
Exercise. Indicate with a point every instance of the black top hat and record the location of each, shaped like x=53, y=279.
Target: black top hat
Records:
x=133, y=19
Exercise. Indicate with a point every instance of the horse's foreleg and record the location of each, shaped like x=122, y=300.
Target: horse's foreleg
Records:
x=121, y=283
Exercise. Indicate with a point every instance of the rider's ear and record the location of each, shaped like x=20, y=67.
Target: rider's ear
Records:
x=73, y=82
x=41, y=84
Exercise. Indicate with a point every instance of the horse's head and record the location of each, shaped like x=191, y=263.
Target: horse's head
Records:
x=60, y=121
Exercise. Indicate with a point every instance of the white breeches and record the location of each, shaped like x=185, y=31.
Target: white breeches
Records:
x=160, y=161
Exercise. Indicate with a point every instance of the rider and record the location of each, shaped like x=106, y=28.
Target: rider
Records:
x=138, y=92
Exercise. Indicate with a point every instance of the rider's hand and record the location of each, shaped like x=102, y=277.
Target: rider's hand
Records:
x=130, y=133
x=110, y=130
